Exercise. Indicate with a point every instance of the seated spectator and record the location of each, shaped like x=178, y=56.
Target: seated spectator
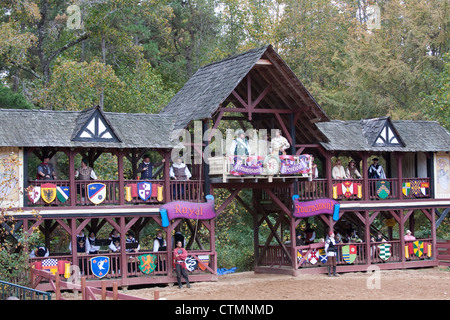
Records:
x=338, y=171
x=409, y=236
x=351, y=171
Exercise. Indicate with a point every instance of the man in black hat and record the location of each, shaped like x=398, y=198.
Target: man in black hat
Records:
x=146, y=167
x=376, y=171
x=45, y=170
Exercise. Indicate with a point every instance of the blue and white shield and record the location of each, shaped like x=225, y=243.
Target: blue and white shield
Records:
x=144, y=190
x=100, y=266
x=96, y=192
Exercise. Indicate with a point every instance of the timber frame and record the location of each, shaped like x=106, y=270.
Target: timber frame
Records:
x=255, y=90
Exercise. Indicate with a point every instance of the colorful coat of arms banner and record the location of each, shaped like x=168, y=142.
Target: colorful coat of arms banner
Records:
x=147, y=263
x=48, y=192
x=347, y=189
x=349, y=253
x=100, y=266
x=384, y=251
x=62, y=193
x=383, y=189
x=96, y=192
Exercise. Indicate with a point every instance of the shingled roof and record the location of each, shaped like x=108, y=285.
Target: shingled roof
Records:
x=212, y=86
x=425, y=136
x=45, y=128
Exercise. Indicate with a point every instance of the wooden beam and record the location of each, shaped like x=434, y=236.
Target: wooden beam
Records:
x=227, y=201
x=263, y=62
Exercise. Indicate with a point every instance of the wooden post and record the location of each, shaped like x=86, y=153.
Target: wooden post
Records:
x=167, y=177
x=156, y=295
x=57, y=286
x=83, y=288
x=399, y=157
x=115, y=291
x=329, y=176
x=365, y=177
x=103, y=290
x=120, y=155
x=73, y=237
x=72, y=190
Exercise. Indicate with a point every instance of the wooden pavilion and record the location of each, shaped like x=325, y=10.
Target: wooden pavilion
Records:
x=257, y=91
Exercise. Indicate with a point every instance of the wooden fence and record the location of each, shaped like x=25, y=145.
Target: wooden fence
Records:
x=443, y=252
x=87, y=293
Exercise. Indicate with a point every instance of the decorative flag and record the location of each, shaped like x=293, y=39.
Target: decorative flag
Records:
x=191, y=263
x=147, y=263
x=418, y=248
x=62, y=193
x=50, y=265
x=349, y=253
x=406, y=188
x=34, y=194
x=323, y=256
x=383, y=189
x=144, y=190
x=347, y=189
x=96, y=192
x=100, y=266
x=48, y=192
x=313, y=256
x=204, y=261
x=384, y=251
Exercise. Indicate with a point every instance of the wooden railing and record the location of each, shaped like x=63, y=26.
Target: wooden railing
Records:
x=191, y=190
x=164, y=267
x=275, y=256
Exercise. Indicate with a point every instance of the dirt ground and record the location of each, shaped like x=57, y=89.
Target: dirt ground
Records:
x=409, y=284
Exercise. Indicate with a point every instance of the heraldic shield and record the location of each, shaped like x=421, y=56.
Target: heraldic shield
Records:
x=144, y=190
x=147, y=263
x=48, y=192
x=383, y=189
x=384, y=251
x=96, y=192
x=349, y=253
x=418, y=248
x=100, y=266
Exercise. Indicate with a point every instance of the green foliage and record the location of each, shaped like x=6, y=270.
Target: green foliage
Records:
x=11, y=100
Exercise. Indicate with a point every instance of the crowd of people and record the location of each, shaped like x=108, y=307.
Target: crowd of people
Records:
x=375, y=170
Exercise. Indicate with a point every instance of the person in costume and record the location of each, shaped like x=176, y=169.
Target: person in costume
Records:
x=338, y=171
x=91, y=247
x=40, y=251
x=180, y=172
x=81, y=243
x=178, y=237
x=45, y=170
x=131, y=239
x=159, y=244
x=279, y=144
x=408, y=236
x=351, y=172
x=310, y=234
x=146, y=167
x=331, y=251
x=179, y=256
x=240, y=146
x=376, y=170
x=114, y=245
x=83, y=173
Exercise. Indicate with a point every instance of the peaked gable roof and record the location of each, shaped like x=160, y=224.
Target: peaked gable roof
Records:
x=47, y=128
x=381, y=132
x=212, y=87
x=209, y=87
x=92, y=125
x=424, y=136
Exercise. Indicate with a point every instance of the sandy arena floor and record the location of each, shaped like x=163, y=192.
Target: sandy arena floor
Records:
x=409, y=284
